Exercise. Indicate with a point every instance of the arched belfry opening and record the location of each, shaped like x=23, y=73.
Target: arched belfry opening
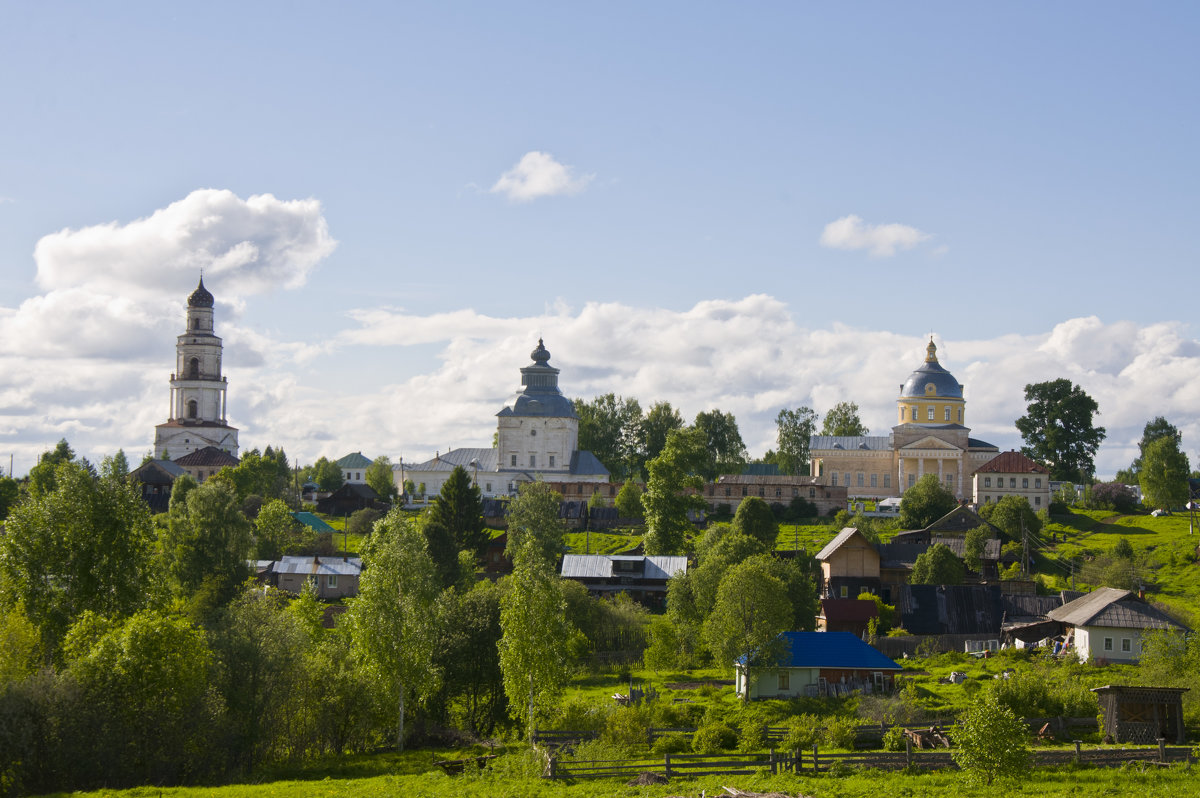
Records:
x=193, y=408
x=193, y=372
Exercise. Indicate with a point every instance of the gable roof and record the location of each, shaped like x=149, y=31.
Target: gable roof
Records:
x=842, y=538
x=354, y=460
x=832, y=650
x=1012, y=463
x=961, y=519
x=587, y=464
x=208, y=457
x=446, y=461
x=312, y=522
x=157, y=472
x=600, y=566
x=1108, y=606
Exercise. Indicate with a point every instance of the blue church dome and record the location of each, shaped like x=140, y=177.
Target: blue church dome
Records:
x=931, y=373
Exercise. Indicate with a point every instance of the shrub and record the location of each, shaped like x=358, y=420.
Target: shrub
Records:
x=752, y=735
x=802, y=731
x=893, y=739
x=627, y=729
x=1112, y=496
x=801, y=508
x=713, y=738
x=673, y=743
x=839, y=731
x=991, y=741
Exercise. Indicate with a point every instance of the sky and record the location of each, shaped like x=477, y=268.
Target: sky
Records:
x=736, y=206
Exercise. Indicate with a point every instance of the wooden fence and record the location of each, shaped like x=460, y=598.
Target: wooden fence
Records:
x=798, y=762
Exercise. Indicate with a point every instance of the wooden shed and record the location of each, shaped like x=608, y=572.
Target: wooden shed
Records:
x=1141, y=714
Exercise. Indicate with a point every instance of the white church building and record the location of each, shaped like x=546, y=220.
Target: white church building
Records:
x=198, y=391
x=537, y=438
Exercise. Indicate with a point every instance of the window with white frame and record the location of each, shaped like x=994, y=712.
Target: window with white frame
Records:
x=833, y=478
x=887, y=480
x=533, y=461
x=847, y=476
x=987, y=482
x=859, y=476
x=785, y=680
x=552, y=461
x=331, y=581
x=1126, y=644
x=929, y=412
x=947, y=412
x=1108, y=644
x=912, y=480
x=1024, y=482
x=514, y=460
x=874, y=480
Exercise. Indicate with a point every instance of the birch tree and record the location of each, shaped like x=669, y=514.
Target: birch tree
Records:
x=392, y=618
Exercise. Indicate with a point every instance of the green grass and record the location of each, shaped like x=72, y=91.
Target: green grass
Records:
x=810, y=537
x=601, y=542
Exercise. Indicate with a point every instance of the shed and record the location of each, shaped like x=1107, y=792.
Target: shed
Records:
x=1141, y=714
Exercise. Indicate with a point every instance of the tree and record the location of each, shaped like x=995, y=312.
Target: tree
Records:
x=1156, y=428
x=534, y=632
x=667, y=498
x=207, y=543
x=726, y=451
x=390, y=619
x=842, y=420
x=1013, y=515
x=751, y=612
x=629, y=500
x=469, y=657
x=381, y=479
x=80, y=543
x=610, y=427
x=276, y=530
x=9, y=493
x=1164, y=473
x=1110, y=496
x=754, y=519
x=459, y=509
x=1058, y=429
x=991, y=741
x=925, y=502
x=937, y=566
x=974, y=545
x=794, y=429
x=41, y=476
x=660, y=422
x=533, y=515
x=327, y=474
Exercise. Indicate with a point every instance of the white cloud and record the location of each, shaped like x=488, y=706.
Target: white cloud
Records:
x=882, y=240
x=537, y=174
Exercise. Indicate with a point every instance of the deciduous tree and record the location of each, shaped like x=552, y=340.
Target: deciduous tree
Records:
x=726, y=450
x=533, y=515
x=610, y=427
x=794, y=429
x=842, y=420
x=629, y=500
x=207, y=543
x=660, y=422
x=751, y=611
x=991, y=741
x=755, y=519
x=925, y=502
x=327, y=475
x=1058, y=429
x=1013, y=515
x=1164, y=473
x=937, y=566
x=667, y=498
x=381, y=479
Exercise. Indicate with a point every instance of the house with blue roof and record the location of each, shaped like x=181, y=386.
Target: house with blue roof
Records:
x=818, y=664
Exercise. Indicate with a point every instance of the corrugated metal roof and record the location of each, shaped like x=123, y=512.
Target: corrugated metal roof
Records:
x=354, y=460
x=1108, y=606
x=600, y=566
x=488, y=458
x=836, y=543
x=584, y=463
x=586, y=566
x=850, y=442
x=313, y=522
x=319, y=566
x=665, y=567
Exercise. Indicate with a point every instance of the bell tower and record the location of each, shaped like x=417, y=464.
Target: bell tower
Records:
x=198, y=390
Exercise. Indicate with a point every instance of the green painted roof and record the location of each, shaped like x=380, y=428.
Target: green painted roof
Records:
x=310, y=520
x=356, y=460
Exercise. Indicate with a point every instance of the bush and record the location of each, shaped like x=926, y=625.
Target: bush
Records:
x=802, y=732
x=800, y=509
x=992, y=741
x=713, y=738
x=627, y=729
x=1112, y=496
x=893, y=739
x=752, y=735
x=363, y=521
x=839, y=731
x=673, y=743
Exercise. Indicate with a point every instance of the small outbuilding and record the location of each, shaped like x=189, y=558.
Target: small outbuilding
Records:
x=1141, y=714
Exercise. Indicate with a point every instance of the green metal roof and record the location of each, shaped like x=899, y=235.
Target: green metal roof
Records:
x=310, y=520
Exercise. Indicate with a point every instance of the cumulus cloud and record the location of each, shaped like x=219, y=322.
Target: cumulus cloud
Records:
x=536, y=175
x=882, y=240
x=749, y=356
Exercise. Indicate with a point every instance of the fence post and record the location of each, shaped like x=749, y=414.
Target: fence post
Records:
x=1078, y=757
x=816, y=761
x=1162, y=749
x=908, y=754
x=553, y=765
x=774, y=767
x=667, y=765
x=797, y=761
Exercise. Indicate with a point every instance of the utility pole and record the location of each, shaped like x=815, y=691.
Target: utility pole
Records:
x=1024, y=548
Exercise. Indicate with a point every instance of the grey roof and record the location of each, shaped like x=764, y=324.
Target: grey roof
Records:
x=171, y=469
x=879, y=443
x=354, y=460
x=600, y=566
x=1108, y=606
x=540, y=395
x=319, y=566
x=585, y=463
x=488, y=460
x=837, y=542
x=975, y=443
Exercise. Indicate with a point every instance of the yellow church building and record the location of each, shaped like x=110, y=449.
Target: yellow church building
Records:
x=931, y=437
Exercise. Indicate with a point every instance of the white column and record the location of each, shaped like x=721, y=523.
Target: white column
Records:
x=960, y=478
x=900, y=478
x=920, y=467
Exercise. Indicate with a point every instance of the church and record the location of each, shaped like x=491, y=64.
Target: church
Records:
x=931, y=437
x=197, y=418
x=537, y=437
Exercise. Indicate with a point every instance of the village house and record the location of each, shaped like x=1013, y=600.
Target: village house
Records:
x=819, y=664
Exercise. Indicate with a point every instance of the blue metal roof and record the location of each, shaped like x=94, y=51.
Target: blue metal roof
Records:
x=832, y=650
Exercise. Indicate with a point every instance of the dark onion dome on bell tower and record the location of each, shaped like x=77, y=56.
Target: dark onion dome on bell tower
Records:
x=200, y=298
x=540, y=395
x=931, y=380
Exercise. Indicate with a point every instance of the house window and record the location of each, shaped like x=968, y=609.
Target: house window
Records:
x=1037, y=500
x=912, y=480
x=887, y=480
x=912, y=412
x=960, y=415
x=533, y=433
x=812, y=493
x=902, y=414
x=795, y=492
x=331, y=581
x=947, y=412
x=987, y=499
x=859, y=476
x=950, y=482
x=193, y=408
x=1012, y=482
x=728, y=491
x=785, y=680
x=1037, y=483
x=488, y=486
x=874, y=480
x=514, y=460
x=778, y=492
x=833, y=478
x=744, y=493
x=845, y=592
x=930, y=412
x=761, y=493
x=987, y=482
x=1108, y=644
x=1025, y=482
x=847, y=476
x=357, y=475
x=1126, y=644
x=552, y=461
x=533, y=461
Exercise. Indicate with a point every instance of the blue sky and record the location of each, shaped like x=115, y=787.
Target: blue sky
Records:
x=1007, y=177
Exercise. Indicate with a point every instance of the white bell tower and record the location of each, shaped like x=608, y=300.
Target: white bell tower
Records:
x=198, y=391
